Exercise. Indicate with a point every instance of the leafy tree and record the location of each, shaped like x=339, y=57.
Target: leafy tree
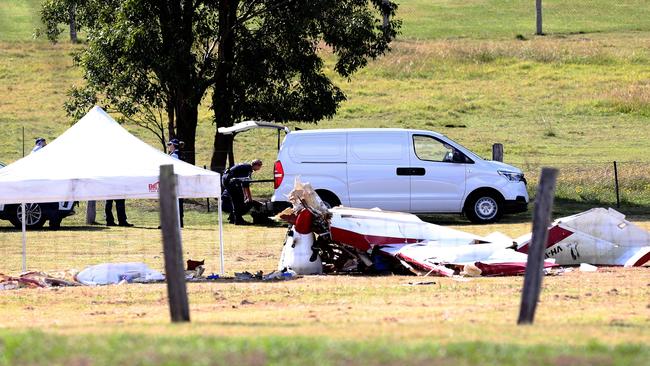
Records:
x=143, y=60
x=261, y=59
x=73, y=13
x=270, y=62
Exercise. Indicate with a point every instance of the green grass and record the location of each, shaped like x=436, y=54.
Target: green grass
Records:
x=41, y=349
x=488, y=19
x=18, y=19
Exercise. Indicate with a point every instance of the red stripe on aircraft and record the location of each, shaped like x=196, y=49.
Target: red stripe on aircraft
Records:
x=642, y=260
x=555, y=235
x=363, y=241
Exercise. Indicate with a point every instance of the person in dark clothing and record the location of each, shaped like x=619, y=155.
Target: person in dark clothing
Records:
x=121, y=213
x=236, y=196
x=174, y=149
x=39, y=144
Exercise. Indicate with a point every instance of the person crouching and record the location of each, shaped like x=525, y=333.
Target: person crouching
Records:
x=236, y=196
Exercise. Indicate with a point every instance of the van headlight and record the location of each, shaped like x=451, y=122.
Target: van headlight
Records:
x=512, y=176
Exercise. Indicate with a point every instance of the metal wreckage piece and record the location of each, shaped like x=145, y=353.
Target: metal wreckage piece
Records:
x=347, y=240
x=598, y=236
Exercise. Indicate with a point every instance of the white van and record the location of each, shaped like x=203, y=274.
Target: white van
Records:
x=399, y=170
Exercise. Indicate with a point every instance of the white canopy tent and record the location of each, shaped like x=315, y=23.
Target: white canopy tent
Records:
x=97, y=159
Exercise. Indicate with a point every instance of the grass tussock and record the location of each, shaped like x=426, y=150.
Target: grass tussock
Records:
x=633, y=99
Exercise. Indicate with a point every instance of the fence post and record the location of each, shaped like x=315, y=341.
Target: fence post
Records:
x=618, y=197
x=497, y=152
x=172, y=246
x=91, y=212
x=535, y=263
x=538, y=18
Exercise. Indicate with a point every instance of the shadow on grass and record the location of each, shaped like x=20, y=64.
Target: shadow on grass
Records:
x=7, y=229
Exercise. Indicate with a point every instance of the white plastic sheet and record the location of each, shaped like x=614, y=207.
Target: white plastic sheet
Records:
x=112, y=273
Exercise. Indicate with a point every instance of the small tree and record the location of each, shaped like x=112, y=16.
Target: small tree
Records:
x=73, y=13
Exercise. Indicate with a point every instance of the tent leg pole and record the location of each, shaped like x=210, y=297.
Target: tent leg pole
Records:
x=24, y=228
x=223, y=271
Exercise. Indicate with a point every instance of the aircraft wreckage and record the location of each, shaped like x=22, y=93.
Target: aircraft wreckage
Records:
x=341, y=239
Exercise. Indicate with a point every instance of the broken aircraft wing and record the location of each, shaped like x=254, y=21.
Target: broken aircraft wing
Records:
x=598, y=236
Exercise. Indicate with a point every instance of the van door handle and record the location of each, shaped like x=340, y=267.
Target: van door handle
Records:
x=410, y=171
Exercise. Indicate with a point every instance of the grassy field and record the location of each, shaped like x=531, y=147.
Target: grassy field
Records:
x=583, y=318
x=579, y=95
x=336, y=321
x=577, y=98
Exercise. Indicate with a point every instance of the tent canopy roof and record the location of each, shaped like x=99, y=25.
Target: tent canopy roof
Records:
x=98, y=159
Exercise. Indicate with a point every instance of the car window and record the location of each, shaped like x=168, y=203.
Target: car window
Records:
x=430, y=149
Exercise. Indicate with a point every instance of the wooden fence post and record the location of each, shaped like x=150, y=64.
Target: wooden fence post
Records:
x=172, y=246
x=535, y=263
x=497, y=152
x=91, y=212
x=538, y=12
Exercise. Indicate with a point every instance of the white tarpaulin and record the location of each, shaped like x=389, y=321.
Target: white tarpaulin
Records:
x=97, y=159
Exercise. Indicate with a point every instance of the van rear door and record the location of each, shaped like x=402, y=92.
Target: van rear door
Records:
x=438, y=183
x=374, y=159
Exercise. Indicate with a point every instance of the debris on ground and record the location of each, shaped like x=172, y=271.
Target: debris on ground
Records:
x=585, y=267
x=247, y=276
x=113, y=273
x=192, y=264
x=283, y=275
x=34, y=280
x=421, y=283
x=350, y=240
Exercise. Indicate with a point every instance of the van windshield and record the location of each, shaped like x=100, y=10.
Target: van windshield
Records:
x=467, y=151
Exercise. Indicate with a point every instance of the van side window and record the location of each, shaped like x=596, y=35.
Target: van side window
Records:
x=430, y=149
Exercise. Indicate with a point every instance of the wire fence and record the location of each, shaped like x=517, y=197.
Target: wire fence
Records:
x=76, y=245
x=620, y=183
x=625, y=184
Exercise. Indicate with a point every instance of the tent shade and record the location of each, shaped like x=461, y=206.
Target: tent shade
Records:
x=97, y=159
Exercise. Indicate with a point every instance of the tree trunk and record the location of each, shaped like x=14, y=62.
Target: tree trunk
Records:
x=73, y=23
x=187, y=114
x=171, y=130
x=385, y=15
x=538, y=6
x=222, y=98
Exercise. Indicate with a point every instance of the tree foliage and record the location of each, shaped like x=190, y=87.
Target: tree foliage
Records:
x=262, y=59
x=73, y=13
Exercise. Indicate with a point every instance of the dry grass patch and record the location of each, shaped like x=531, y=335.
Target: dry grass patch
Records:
x=634, y=98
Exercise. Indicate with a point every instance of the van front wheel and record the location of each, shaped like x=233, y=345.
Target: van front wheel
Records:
x=484, y=209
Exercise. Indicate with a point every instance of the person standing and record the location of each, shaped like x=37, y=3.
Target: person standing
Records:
x=174, y=150
x=39, y=144
x=236, y=196
x=121, y=213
